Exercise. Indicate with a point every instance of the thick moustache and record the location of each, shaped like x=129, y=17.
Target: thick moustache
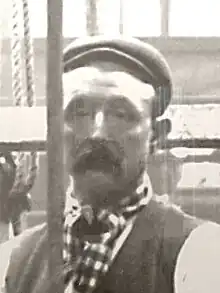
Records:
x=98, y=154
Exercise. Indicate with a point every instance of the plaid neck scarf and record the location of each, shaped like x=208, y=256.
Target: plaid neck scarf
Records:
x=92, y=259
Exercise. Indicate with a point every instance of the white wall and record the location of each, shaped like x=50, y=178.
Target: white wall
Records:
x=195, y=18
x=141, y=17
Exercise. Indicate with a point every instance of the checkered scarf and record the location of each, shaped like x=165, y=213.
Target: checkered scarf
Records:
x=95, y=257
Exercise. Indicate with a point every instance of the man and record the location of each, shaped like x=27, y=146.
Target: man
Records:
x=12, y=205
x=117, y=237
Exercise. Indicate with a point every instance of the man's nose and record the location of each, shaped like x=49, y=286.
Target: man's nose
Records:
x=99, y=129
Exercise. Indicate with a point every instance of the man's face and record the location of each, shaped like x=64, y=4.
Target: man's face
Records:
x=107, y=130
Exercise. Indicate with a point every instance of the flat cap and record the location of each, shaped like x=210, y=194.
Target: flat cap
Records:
x=138, y=58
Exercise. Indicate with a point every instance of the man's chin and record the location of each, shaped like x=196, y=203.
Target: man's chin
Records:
x=97, y=188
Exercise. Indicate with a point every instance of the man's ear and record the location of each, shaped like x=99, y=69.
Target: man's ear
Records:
x=161, y=129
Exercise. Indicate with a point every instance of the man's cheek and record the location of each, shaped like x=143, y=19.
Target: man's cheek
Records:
x=68, y=139
x=134, y=147
x=69, y=152
x=70, y=142
x=134, y=143
x=139, y=133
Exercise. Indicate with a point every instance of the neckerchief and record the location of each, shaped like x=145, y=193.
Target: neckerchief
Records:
x=92, y=259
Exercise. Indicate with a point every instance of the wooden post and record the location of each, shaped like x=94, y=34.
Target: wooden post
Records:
x=165, y=9
x=55, y=195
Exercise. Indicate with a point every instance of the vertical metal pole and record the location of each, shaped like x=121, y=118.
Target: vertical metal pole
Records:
x=4, y=227
x=165, y=9
x=55, y=195
x=121, y=17
x=92, y=18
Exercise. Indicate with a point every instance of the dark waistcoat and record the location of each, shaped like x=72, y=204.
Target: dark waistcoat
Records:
x=146, y=262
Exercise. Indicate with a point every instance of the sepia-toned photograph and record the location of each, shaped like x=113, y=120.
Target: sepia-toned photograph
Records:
x=109, y=146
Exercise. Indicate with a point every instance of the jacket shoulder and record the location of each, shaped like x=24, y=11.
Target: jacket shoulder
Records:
x=25, y=242
x=19, y=250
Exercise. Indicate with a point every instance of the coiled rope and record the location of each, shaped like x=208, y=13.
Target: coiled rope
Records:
x=23, y=184
x=30, y=88
x=17, y=88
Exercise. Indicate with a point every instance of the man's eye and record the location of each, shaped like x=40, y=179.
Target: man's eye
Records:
x=127, y=116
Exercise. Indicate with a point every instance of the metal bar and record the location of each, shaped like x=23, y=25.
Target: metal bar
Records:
x=40, y=145
x=176, y=100
x=23, y=146
x=186, y=45
x=165, y=5
x=196, y=143
x=121, y=17
x=189, y=192
x=214, y=157
x=92, y=18
x=172, y=45
x=55, y=192
x=195, y=100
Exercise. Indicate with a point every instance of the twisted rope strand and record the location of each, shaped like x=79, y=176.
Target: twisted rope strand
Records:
x=17, y=88
x=22, y=185
x=32, y=172
x=30, y=89
x=20, y=174
x=28, y=56
x=16, y=56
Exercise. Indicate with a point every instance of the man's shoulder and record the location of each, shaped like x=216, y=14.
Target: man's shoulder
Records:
x=29, y=237
x=173, y=220
x=169, y=224
x=25, y=240
x=17, y=250
x=189, y=247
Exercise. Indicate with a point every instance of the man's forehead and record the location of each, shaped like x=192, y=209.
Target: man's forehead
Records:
x=92, y=82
